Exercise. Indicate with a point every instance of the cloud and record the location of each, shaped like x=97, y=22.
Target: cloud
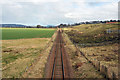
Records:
x=98, y=12
x=54, y=12
x=33, y=1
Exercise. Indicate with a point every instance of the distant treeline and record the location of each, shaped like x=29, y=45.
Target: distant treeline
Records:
x=90, y=22
x=24, y=26
x=12, y=25
x=60, y=25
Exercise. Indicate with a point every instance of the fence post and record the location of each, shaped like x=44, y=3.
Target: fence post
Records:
x=97, y=65
x=110, y=73
x=103, y=70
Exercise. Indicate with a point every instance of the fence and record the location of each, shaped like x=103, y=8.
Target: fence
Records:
x=104, y=70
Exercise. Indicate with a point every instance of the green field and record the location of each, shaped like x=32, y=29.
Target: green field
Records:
x=23, y=33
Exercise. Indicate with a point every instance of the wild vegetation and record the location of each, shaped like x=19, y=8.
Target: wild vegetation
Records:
x=93, y=34
x=81, y=67
x=98, y=43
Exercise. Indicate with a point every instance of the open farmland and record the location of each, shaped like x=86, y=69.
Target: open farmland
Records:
x=24, y=48
x=23, y=33
x=17, y=55
x=21, y=54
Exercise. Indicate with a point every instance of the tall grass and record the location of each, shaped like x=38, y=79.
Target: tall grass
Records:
x=93, y=33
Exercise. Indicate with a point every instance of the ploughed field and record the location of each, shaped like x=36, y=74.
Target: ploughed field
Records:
x=23, y=33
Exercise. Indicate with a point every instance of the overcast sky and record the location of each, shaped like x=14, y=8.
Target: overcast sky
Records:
x=54, y=12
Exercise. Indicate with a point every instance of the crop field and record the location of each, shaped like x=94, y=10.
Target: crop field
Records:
x=23, y=33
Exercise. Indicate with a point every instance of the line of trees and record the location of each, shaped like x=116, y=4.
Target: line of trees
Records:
x=87, y=22
x=75, y=24
x=60, y=25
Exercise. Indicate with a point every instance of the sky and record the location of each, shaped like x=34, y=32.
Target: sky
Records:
x=55, y=12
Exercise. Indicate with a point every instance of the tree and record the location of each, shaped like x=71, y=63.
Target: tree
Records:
x=39, y=26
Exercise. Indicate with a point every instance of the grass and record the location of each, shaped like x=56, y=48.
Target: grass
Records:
x=11, y=58
x=23, y=33
x=93, y=33
x=84, y=70
x=107, y=55
x=20, y=53
x=97, y=43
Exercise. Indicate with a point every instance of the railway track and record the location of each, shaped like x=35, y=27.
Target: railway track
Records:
x=58, y=65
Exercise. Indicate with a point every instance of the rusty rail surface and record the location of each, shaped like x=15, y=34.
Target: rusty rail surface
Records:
x=58, y=63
